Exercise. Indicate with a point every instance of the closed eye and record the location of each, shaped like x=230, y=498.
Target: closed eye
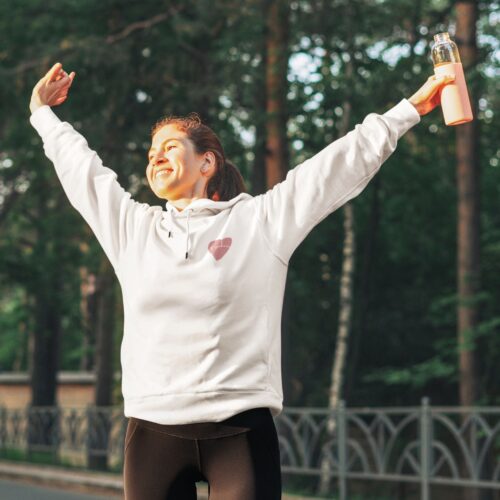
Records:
x=168, y=149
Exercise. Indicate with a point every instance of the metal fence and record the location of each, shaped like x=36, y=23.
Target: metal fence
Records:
x=424, y=445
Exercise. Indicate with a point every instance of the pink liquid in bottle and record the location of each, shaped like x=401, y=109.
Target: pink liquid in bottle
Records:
x=455, y=101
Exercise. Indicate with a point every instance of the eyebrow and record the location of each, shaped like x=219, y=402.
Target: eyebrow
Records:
x=165, y=142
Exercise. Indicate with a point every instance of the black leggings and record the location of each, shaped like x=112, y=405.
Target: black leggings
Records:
x=239, y=458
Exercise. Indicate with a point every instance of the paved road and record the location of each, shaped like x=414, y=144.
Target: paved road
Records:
x=11, y=490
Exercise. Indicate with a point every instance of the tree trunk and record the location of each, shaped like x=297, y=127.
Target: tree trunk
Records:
x=106, y=282
x=468, y=215
x=21, y=348
x=346, y=303
x=345, y=310
x=22, y=352
x=258, y=178
x=364, y=294
x=42, y=424
x=277, y=158
x=46, y=351
x=100, y=423
x=468, y=225
x=276, y=84
x=346, y=286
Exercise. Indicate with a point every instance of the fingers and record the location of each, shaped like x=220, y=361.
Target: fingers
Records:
x=68, y=79
x=445, y=78
x=53, y=88
x=435, y=83
x=61, y=75
x=63, y=84
x=440, y=80
x=57, y=74
x=65, y=79
x=427, y=97
x=71, y=78
x=53, y=72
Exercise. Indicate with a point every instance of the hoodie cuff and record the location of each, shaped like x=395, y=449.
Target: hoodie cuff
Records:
x=44, y=120
x=405, y=116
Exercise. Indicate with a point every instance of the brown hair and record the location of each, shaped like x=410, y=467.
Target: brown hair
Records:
x=227, y=182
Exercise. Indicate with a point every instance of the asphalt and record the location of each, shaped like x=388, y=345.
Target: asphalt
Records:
x=19, y=490
x=97, y=483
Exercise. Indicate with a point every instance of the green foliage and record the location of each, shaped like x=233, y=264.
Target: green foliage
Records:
x=416, y=376
x=206, y=57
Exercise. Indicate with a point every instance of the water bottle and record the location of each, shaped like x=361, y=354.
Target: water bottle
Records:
x=455, y=101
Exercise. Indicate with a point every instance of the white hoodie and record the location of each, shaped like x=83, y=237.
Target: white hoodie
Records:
x=203, y=288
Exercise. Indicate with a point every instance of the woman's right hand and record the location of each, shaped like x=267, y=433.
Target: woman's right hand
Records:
x=52, y=89
x=427, y=97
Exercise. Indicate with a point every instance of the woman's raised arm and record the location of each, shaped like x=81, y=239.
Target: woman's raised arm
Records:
x=91, y=188
x=339, y=172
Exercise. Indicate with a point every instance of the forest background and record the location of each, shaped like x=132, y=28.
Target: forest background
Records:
x=277, y=81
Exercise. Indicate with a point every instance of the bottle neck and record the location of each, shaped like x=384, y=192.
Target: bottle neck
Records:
x=444, y=50
x=442, y=37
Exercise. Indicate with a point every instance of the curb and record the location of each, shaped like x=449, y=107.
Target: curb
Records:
x=99, y=483
x=83, y=481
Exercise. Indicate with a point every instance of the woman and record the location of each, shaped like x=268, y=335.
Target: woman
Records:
x=203, y=284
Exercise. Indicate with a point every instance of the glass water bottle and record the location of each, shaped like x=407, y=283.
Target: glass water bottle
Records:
x=455, y=101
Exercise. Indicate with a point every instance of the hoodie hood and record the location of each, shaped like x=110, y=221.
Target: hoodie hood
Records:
x=200, y=207
x=205, y=205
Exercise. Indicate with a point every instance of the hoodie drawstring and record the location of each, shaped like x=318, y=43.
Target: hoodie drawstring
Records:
x=210, y=206
x=187, y=235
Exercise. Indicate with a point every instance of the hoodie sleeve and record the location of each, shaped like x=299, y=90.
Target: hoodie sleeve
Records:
x=339, y=172
x=91, y=188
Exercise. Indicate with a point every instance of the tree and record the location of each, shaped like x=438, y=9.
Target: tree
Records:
x=346, y=292
x=468, y=225
x=277, y=158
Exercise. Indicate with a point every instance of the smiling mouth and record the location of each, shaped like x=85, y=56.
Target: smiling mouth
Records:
x=164, y=171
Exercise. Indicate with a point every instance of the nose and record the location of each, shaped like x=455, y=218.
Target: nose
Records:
x=159, y=158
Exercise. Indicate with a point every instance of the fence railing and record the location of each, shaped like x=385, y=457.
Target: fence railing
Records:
x=424, y=445
x=75, y=435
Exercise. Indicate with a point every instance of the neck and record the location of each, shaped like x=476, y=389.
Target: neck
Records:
x=197, y=192
x=182, y=203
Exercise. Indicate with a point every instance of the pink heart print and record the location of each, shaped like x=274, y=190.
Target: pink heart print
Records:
x=219, y=247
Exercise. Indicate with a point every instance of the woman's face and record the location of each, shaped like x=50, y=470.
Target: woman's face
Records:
x=174, y=167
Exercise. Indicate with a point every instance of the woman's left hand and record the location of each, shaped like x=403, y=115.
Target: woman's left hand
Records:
x=427, y=97
x=52, y=89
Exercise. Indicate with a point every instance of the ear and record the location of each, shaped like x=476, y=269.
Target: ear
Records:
x=209, y=163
